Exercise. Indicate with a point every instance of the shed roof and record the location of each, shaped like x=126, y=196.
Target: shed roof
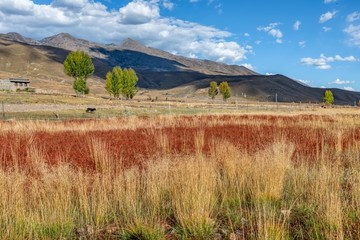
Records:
x=19, y=80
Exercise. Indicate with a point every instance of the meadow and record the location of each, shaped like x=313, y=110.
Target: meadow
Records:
x=226, y=176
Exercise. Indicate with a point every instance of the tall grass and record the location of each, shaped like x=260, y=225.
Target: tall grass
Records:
x=201, y=186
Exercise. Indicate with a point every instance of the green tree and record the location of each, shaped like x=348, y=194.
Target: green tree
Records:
x=328, y=97
x=121, y=81
x=225, y=90
x=213, y=90
x=113, y=81
x=128, y=83
x=78, y=65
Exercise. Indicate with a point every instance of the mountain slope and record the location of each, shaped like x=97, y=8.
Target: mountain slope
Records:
x=265, y=88
x=149, y=59
x=42, y=62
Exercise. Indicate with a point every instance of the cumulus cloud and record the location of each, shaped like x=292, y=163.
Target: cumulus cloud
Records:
x=330, y=1
x=352, y=17
x=168, y=4
x=220, y=51
x=323, y=62
x=296, y=25
x=246, y=35
x=20, y=8
x=326, y=29
x=327, y=16
x=354, y=33
x=249, y=66
x=349, y=89
x=139, y=12
x=340, y=82
x=272, y=30
x=304, y=82
x=69, y=3
x=139, y=19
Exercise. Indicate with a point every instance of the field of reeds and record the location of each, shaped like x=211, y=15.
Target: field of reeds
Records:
x=187, y=177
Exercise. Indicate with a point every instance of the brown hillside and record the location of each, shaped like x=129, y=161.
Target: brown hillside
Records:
x=42, y=62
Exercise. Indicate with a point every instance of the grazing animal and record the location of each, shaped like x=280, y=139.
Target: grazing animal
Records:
x=90, y=110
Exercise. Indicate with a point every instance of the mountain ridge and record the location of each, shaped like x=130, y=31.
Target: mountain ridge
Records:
x=41, y=61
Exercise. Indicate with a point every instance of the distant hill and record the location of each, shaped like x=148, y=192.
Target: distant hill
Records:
x=41, y=61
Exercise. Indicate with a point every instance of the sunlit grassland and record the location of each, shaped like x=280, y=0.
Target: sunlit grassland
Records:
x=293, y=176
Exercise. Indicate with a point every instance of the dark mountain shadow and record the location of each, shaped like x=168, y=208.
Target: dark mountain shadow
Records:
x=138, y=60
x=153, y=72
x=268, y=88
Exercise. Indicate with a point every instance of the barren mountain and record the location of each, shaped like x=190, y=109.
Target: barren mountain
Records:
x=42, y=62
x=13, y=36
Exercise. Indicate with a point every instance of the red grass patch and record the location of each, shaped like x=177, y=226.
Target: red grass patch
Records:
x=134, y=146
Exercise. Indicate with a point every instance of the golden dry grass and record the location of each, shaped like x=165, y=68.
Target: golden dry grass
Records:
x=199, y=177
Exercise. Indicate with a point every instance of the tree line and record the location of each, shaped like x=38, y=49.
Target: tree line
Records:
x=223, y=89
x=79, y=66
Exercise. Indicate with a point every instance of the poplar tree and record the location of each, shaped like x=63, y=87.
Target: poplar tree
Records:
x=78, y=65
x=328, y=97
x=225, y=90
x=113, y=82
x=213, y=90
x=121, y=81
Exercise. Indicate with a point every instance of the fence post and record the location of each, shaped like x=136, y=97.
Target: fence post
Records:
x=3, y=110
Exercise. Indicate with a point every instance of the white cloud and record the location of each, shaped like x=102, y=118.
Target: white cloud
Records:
x=296, y=25
x=340, y=82
x=353, y=17
x=20, y=8
x=258, y=42
x=273, y=31
x=302, y=44
x=269, y=74
x=323, y=62
x=168, y=4
x=330, y=1
x=326, y=29
x=349, y=88
x=249, y=48
x=327, y=16
x=139, y=12
x=69, y=3
x=220, y=51
x=354, y=33
x=194, y=1
x=344, y=59
x=249, y=66
x=139, y=19
x=246, y=35
x=305, y=82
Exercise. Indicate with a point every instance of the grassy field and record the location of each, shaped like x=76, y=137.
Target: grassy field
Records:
x=31, y=106
x=248, y=176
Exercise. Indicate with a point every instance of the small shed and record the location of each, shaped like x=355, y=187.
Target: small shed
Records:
x=13, y=84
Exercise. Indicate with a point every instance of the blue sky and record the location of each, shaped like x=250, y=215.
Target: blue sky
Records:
x=315, y=41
